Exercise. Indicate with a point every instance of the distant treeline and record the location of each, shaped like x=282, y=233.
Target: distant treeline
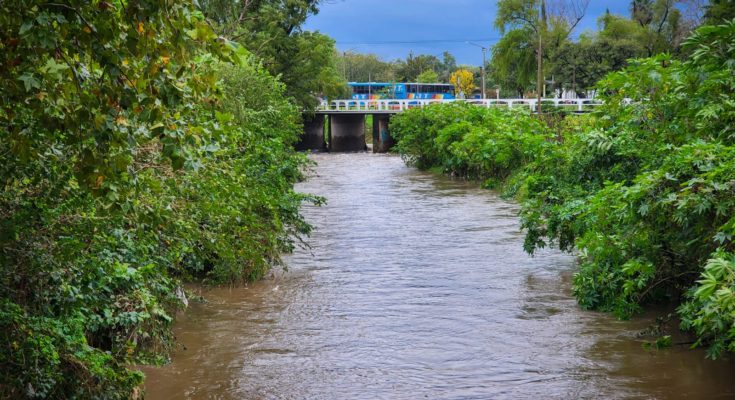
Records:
x=571, y=64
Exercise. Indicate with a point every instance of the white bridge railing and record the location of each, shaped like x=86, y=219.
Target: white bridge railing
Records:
x=396, y=105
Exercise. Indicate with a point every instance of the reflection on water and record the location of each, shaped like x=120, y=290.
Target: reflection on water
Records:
x=416, y=286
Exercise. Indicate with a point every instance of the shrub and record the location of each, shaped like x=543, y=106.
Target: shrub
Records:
x=642, y=188
x=126, y=166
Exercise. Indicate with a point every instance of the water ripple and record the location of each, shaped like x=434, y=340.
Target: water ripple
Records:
x=416, y=286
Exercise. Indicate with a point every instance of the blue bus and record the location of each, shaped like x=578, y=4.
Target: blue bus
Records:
x=385, y=90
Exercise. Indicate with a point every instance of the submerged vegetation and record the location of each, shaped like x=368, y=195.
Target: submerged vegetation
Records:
x=138, y=150
x=643, y=189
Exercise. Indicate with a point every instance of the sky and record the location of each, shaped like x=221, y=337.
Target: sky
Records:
x=393, y=28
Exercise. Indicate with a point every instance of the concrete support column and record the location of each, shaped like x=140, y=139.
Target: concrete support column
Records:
x=347, y=132
x=382, y=140
x=313, y=136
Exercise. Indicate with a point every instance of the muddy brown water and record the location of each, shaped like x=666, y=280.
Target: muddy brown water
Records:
x=416, y=286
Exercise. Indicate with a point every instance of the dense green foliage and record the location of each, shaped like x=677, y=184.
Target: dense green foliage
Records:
x=271, y=29
x=718, y=11
x=468, y=141
x=513, y=64
x=357, y=67
x=428, y=76
x=642, y=189
x=653, y=26
x=137, y=150
x=578, y=66
x=530, y=28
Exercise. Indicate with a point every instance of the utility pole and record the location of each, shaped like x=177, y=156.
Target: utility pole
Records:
x=370, y=92
x=482, y=67
x=344, y=64
x=484, y=50
x=540, y=70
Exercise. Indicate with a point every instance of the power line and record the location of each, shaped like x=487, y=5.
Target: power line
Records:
x=425, y=41
x=430, y=41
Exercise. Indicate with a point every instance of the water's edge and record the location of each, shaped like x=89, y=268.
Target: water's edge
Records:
x=417, y=286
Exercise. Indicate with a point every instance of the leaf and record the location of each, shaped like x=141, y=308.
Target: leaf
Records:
x=54, y=69
x=223, y=117
x=29, y=81
x=25, y=28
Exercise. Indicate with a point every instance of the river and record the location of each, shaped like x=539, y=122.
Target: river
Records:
x=416, y=286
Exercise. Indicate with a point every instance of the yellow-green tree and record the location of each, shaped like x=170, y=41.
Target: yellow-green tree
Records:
x=463, y=81
x=428, y=76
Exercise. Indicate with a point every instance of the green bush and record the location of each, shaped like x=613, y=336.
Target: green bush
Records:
x=645, y=191
x=241, y=211
x=137, y=151
x=710, y=310
x=642, y=189
x=469, y=141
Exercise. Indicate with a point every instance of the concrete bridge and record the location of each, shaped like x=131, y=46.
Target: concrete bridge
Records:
x=339, y=126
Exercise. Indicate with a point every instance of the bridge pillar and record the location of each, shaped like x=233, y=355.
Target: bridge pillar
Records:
x=313, y=136
x=347, y=132
x=382, y=140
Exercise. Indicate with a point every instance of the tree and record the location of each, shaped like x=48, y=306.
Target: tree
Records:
x=535, y=17
x=409, y=70
x=663, y=23
x=125, y=166
x=306, y=65
x=428, y=76
x=579, y=66
x=642, y=11
x=719, y=11
x=513, y=63
x=357, y=67
x=463, y=81
x=100, y=115
x=251, y=18
x=271, y=29
x=447, y=66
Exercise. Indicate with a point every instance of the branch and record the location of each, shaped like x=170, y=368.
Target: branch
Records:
x=579, y=13
x=532, y=24
x=77, y=12
x=245, y=5
x=257, y=52
x=665, y=279
x=664, y=18
x=73, y=70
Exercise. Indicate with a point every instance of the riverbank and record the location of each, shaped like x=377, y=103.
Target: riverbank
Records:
x=98, y=234
x=641, y=188
x=416, y=285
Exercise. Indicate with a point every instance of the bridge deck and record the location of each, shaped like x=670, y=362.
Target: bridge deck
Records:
x=355, y=111
x=394, y=106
